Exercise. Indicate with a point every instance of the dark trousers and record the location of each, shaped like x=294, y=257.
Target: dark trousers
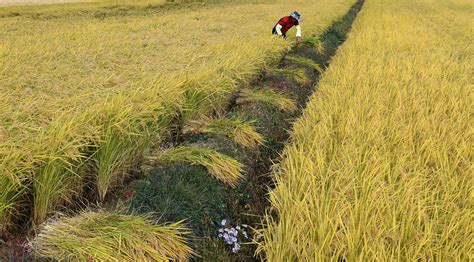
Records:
x=274, y=32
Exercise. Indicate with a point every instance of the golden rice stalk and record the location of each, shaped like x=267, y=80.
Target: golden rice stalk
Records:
x=54, y=185
x=240, y=131
x=9, y=193
x=297, y=74
x=104, y=236
x=113, y=157
x=125, y=135
x=11, y=186
x=269, y=97
x=304, y=61
x=315, y=42
x=56, y=179
x=222, y=167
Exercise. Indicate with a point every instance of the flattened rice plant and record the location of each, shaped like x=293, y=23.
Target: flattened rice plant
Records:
x=314, y=41
x=104, y=236
x=267, y=96
x=305, y=61
x=298, y=74
x=240, y=131
x=222, y=167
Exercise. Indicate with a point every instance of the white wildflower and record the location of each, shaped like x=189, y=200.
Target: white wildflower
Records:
x=233, y=239
x=236, y=248
x=233, y=232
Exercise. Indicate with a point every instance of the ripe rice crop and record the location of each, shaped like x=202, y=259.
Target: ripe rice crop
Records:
x=221, y=166
x=240, y=131
x=104, y=236
x=85, y=89
x=35, y=2
x=380, y=164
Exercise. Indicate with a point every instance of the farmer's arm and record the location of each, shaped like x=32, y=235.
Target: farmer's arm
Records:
x=298, y=33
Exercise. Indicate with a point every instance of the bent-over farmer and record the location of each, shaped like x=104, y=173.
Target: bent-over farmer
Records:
x=286, y=23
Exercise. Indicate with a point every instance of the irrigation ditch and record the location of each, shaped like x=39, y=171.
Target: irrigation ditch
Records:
x=179, y=191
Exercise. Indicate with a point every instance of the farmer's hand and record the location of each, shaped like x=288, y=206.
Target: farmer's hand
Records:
x=298, y=39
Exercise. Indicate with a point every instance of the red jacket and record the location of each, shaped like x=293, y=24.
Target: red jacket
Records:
x=287, y=22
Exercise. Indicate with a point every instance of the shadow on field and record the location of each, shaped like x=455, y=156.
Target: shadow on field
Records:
x=178, y=191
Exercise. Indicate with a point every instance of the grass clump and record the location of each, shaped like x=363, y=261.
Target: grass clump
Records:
x=222, y=167
x=240, y=131
x=104, y=236
x=269, y=97
x=177, y=192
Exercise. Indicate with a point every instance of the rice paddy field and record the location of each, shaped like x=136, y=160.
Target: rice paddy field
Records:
x=87, y=89
x=185, y=105
x=23, y=2
x=70, y=81
x=380, y=164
